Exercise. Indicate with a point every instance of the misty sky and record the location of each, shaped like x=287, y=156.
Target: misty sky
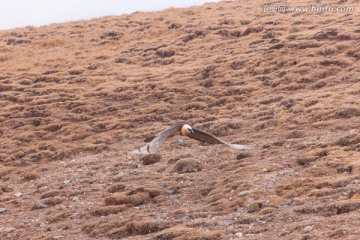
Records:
x=21, y=13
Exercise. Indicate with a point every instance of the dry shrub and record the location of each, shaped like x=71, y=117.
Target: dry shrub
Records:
x=312, y=156
x=267, y=210
x=137, y=228
x=303, y=161
x=199, y=235
x=134, y=197
x=60, y=216
x=186, y=166
x=98, y=229
x=52, y=201
x=53, y=43
x=295, y=134
x=150, y=159
x=25, y=137
x=328, y=34
x=354, y=54
x=4, y=88
x=96, y=148
x=76, y=71
x=119, y=187
x=5, y=170
x=224, y=128
x=107, y=210
x=165, y=53
x=348, y=112
x=31, y=176
x=343, y=206
x=321, y=192
x=195, y=106
x=328, y=51
x=172, y=233
x=5, y=57
x=52, y=194
x=350, y=140
x=252, y=30
x=243, y=155
x=328, y=73
x=295, y=188
x=271, y=100
x=77, y=135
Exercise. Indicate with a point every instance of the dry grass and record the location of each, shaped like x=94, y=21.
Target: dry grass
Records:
x=76, y=97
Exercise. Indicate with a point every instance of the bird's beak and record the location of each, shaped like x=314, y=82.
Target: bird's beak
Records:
x=191, y=130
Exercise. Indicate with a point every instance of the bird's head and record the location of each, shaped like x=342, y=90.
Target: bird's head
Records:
x=186, y=130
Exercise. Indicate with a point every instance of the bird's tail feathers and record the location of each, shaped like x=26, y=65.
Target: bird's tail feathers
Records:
x=142, y=150
x=242, y=147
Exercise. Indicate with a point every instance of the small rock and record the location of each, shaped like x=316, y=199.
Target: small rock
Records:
x=18, y=194
x=239, y=234
x=308, y=228
x=120, y=174
x=174, y=191
x=2, y=210
x=186, y=166
x=58, y=237
x=305, y=237
x=356, y=181
x=244, y=193
x=161, y=169
x=39, y=205
x=9, y=230
x=66, y=181
x=136, y=172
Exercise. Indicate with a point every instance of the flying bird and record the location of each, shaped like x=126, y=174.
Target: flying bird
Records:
x=184, y=130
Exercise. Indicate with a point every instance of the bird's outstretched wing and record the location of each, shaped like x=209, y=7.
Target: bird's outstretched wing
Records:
x=158, y=140
x=203, y=136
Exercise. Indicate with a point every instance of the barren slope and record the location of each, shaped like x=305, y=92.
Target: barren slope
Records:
x=76, y=97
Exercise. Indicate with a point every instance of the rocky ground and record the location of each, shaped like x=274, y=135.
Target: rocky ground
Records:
x=75, y=98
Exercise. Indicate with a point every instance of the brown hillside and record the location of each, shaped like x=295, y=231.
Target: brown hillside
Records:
x=75, y=98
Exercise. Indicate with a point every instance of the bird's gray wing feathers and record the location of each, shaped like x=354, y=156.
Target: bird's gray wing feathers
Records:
x=203, y=136
x=159, y=139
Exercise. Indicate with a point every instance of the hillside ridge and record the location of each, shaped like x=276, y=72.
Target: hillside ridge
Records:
x=76, y=97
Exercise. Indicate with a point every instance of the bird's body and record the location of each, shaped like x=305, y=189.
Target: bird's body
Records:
x=184, y=130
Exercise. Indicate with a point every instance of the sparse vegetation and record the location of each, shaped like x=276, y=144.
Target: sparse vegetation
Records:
x=76, y=97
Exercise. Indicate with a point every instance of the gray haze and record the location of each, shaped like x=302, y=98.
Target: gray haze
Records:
x=21, y=13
